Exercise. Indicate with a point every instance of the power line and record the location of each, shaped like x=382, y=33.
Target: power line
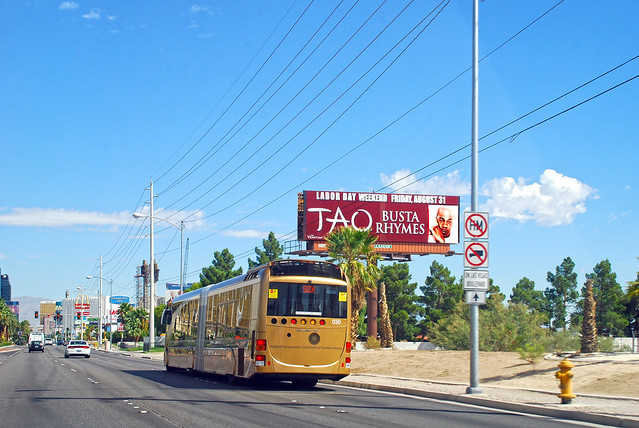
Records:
x=242, y=91
x=324, y=111
x=220, y=100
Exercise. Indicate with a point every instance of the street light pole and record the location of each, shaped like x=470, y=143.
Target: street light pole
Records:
x=152, y=267
x=151, y=276
x=110, y=302
x=100, y=307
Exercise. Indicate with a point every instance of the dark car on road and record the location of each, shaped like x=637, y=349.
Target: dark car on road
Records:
x=36, y=345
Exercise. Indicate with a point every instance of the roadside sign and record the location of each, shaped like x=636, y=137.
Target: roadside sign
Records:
x=118, y=300
x=475, y=225
x=475, y=254
x=476, y=280
x=476, y=297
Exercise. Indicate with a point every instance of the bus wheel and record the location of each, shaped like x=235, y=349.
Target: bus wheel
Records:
x=304, y=383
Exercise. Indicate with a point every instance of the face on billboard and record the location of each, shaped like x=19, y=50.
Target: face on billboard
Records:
x=443, y=224
x=392, y=217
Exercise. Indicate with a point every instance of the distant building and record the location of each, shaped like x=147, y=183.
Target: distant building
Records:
x=5, y=294
x=5, y=287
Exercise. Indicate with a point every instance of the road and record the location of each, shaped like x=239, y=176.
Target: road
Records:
x=114, y=390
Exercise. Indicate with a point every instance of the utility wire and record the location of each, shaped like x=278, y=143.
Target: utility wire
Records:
x=243, y=89
x=220, y=100
x=325, y=110
x=217, y=147
x=282, y=109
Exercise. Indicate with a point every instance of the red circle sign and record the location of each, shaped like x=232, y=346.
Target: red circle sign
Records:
x=476, y=254
x=476, y=225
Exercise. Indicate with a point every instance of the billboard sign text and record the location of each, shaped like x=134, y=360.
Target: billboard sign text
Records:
x=391, y=217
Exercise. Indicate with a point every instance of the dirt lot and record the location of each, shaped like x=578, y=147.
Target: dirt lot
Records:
x=601, y=373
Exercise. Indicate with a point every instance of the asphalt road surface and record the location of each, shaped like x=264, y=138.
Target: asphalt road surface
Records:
x=113, y=390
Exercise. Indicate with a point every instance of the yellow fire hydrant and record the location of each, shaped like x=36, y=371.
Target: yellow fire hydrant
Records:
x=565, y=381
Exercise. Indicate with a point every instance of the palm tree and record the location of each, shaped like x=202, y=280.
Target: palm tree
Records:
x=138, y=323
x=350, y=247
x=8, y=321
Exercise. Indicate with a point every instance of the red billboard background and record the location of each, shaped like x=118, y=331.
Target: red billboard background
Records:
x=392, y=217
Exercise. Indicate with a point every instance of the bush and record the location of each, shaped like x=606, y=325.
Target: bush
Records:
x=563, y=341
x=532, y=353
x=372, y=343
x=605, y=344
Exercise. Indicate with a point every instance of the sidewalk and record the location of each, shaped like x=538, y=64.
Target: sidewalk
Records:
x=604, y=410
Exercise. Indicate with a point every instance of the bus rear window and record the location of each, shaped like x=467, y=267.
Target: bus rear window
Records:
x=321, y=300
x=300, y=268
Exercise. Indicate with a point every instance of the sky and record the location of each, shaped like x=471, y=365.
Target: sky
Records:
x=232, y=108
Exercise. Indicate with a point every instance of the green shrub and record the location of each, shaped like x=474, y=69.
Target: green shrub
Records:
x=532, y=353
x=605, y=344
x=563, y=341
x=372, y=343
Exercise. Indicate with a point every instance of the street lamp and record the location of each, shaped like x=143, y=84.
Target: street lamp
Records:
x=110, y=281
x=151, y=217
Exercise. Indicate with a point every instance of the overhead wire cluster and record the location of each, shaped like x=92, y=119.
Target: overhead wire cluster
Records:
x=360, y=73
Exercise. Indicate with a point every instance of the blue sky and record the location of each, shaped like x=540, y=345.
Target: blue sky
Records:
x=99, y=98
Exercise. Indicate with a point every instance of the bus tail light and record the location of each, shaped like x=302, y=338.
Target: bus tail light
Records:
x=260, y=360
x=348, y=362
x=260, y=345
x=348, y=346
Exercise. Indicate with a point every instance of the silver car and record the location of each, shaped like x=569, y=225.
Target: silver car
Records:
x=79, y=348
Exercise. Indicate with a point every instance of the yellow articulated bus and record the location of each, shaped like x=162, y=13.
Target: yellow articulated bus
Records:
x=286, y=320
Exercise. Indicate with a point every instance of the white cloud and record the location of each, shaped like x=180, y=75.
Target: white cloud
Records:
x=59, y=217
x=68, y=5
x=196, y=8
x=94, y=14
x=248, y=233
x=554, y=201
x=404, y=181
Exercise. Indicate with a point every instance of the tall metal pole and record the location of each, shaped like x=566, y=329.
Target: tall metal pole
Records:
x=181, y=257
x=100, y=306
x=474, y=387
x=151, y=276
x=111, y=316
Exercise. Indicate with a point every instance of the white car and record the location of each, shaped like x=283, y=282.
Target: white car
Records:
x=77, y=347
x=48, y=341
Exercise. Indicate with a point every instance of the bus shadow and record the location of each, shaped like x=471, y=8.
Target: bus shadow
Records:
x=188, y=379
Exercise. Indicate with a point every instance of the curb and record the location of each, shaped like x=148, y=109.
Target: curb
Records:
x=577, y=415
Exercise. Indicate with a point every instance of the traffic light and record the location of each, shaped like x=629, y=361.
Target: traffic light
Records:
x=36, y=314
x=78, y=315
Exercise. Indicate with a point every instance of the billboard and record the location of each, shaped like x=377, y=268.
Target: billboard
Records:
x=172, y=291
x=406, y=218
